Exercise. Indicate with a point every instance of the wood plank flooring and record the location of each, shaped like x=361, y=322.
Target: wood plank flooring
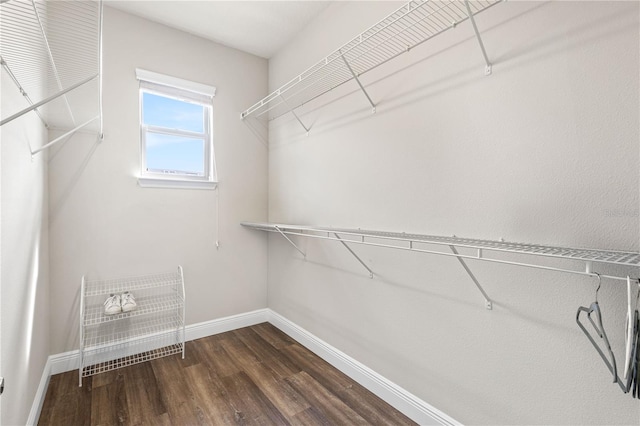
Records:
x=251, y=376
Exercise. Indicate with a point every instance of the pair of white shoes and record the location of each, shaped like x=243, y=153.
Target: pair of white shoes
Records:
x=119, y=303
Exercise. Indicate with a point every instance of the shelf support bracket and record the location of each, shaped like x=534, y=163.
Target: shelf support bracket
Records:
x=354, y=255
x=61, y=137
x=487, y=301
x=290, y=242
x=373, y=106
x=488, y=67
x=4, y=65
x=44, y=101
x=294, y=114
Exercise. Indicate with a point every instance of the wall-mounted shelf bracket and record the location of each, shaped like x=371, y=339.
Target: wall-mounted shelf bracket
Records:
x=295, y=115
x=291, y=242
x=487, y=301
x=69, y=133
x=23, y=92
x=44, y=101
x=355, y=77
x=354, y=255
x=488, y=67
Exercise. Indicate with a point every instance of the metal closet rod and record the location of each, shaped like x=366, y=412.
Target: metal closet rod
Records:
x=300, y=231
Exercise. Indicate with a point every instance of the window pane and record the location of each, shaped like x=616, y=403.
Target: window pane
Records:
x=175, y=154
x=172, y=113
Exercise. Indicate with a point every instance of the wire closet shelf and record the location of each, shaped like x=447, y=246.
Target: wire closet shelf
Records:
x=154, y=329
x=52, y=52
x=483, y=250
x=409, y=26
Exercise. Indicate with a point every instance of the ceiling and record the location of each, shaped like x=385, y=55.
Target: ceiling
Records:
x=257, y=27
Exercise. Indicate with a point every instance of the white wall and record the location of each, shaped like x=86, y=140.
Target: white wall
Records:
x=544, y=151
x=104, y=225
x=24, y=278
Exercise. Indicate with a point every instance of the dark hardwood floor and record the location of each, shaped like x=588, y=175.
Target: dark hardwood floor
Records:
x=255, y=375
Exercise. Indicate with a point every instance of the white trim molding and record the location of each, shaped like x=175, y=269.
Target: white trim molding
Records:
x=41, y=392
x=167, y=80
x=222, y=325
x=147, y=182
x=399, y=398
x=66, y=361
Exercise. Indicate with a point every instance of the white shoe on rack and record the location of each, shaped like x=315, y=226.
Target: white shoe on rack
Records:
x=112, y=305
x=128, y=302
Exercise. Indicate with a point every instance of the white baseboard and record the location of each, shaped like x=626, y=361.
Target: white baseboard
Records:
x=66, y=361
x=38, y=399
x=399, y=398
x=407, y=403
x=222, y=325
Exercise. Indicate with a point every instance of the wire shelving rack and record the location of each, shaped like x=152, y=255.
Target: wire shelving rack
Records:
x=154, y=329
x=407, y=27
x=52, y=51
x=528, y=255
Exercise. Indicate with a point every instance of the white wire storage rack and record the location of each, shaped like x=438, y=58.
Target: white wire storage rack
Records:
x=407, y=27
x=52, y=51
x=154, y=329
x=529, y=255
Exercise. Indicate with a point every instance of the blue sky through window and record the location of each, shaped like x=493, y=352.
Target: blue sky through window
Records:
x=172, y=113
x=173, y=152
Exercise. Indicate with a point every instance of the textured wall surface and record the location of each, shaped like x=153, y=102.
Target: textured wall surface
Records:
x=104, y=225
x=545, y=151
x=24, y=280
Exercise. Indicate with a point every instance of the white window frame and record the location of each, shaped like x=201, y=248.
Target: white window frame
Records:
x=187, y=91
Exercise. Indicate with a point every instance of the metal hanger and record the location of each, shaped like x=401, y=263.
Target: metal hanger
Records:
x=634, y=379
x=630, y=325
x=595, y=309
x=632, y=340
x=636, y=368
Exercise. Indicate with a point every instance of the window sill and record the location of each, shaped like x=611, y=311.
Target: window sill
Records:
x=146, y=182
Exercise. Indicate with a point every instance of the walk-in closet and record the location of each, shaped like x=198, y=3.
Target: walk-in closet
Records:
x=319, y=212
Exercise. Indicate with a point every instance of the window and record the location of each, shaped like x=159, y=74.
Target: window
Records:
x=176, y=138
